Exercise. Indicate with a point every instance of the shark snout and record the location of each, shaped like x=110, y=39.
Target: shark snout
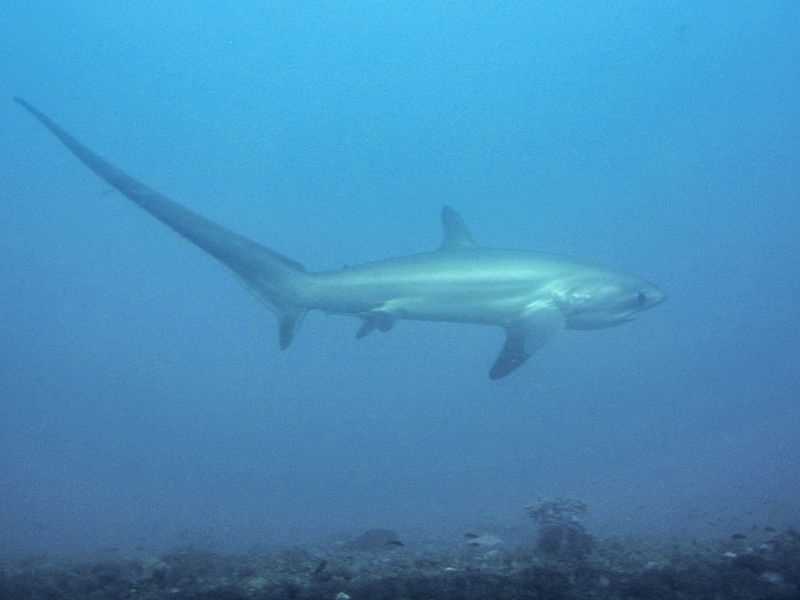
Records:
x=651, y=296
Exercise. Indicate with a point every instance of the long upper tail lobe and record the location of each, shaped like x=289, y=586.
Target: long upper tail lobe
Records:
x=275, y=278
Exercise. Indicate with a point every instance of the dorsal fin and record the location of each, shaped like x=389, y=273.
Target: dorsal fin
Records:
x=456, y=234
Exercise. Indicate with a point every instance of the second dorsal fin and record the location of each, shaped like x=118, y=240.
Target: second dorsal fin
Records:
x=456, y=234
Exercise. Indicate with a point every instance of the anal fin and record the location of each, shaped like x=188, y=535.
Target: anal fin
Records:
x=288, y=323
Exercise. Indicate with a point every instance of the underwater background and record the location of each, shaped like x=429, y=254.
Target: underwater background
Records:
x=144, y=398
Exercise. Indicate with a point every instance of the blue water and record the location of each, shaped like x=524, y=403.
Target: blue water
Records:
x=144, y=399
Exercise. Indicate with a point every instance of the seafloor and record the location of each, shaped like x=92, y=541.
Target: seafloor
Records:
x=743, y=567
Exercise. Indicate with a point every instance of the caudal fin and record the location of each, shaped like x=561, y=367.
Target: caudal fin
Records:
x=274, y=278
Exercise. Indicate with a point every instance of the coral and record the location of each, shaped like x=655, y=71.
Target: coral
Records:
x=561, y=530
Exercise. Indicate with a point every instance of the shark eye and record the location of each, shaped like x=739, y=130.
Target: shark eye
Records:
x=641, y=298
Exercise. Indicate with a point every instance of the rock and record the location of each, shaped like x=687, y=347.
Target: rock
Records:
x=772, y=577
x=256, y=584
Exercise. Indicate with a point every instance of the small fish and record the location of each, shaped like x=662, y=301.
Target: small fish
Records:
x=738, y=536
x=769, y=529
x=320, y=567
x=471, y=536
x=396, y=543
x=486, y=540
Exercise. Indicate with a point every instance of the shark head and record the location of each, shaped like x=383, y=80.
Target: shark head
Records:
x=607, y=300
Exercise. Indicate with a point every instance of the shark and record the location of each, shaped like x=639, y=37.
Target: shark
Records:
x=532, y=296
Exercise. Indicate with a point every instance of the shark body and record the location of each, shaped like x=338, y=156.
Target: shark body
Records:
x=530, y=295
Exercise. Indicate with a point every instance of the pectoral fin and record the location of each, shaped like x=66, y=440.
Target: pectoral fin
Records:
x=524, y=337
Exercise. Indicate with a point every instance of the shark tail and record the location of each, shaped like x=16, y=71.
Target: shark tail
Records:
x=277, y=280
